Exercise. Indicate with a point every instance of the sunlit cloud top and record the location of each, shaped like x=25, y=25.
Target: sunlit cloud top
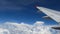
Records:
x=22, y=28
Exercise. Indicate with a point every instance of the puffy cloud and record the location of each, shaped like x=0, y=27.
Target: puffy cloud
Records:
x=22, y=28
x=4, y=31
x=39, y=23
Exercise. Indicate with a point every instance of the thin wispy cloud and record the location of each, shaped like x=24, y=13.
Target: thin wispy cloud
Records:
x=13, y=4
x=17, y=3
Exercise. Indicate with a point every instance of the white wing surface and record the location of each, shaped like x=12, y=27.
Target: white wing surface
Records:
x=55, y=15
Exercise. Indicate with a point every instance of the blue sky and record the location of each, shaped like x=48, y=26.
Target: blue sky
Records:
x=25, y=10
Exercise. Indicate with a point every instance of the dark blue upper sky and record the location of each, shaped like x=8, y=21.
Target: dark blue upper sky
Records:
x=25, y=10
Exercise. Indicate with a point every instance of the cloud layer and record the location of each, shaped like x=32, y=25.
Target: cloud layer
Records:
x=22, y=28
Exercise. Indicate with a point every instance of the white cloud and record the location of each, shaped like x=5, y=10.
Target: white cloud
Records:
x=39, y=23
x=4, y=31
x=22, y=28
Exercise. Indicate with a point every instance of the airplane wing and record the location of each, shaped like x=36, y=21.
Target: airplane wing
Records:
x=55, y=15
